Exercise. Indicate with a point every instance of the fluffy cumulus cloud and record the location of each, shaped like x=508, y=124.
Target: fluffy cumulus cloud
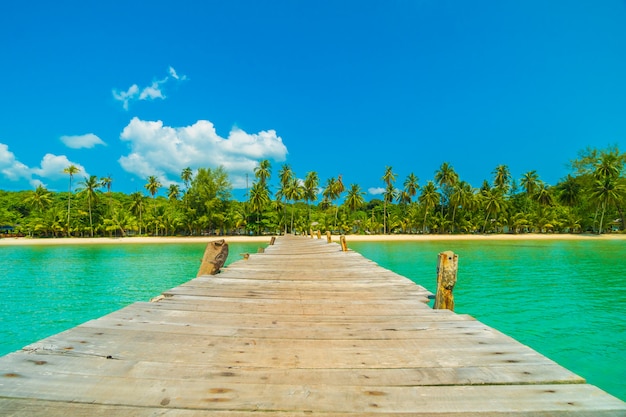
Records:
x=10, y=167
x=51, y=168
x=164, y=151
x=152, y=92
x=83, y=141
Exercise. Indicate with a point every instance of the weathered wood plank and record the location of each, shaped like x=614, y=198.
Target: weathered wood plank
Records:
x=299, y=329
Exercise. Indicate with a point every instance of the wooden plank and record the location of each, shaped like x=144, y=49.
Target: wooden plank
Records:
x=302, y=328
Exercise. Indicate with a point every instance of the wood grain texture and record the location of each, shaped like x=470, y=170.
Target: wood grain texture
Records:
x=303, y=328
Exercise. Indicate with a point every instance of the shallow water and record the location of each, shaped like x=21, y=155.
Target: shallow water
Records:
x=566, y=299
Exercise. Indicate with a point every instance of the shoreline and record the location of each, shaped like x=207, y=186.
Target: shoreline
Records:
x=25, y=241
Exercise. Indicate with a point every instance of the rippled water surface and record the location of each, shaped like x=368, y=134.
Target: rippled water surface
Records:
x=566, y=299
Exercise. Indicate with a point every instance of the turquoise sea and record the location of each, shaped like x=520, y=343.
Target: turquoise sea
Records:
x=566, y=299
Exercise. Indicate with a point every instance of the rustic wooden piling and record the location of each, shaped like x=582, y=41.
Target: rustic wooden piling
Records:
x=447, y=267
x=214, y=257
x=344, y=244
x=329, y=238
x=304, y=330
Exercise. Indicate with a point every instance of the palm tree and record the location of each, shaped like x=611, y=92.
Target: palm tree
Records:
x=263, y=171
x=569, y=191
x=354, y=198
x=389, y=178
x=502, y=178
x=89, y=186
x=40, y=199
x=153, y=186
x=461, y=196
x=259, y=199
x=311, y=184
x=106, y=182
x=607, y=191
x=186, y=175
x=137, y=206
x=70, y=170
x=530, y=182
x=411, y=186
x=285, y=175
x=295, y=193
x=494, y=203
x=429, y=199
x=446, y=177
x=173, y=192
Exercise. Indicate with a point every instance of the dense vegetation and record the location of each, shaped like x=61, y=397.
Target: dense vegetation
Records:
x=590, y=199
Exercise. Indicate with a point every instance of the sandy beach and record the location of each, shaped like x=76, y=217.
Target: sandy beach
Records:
x=261, y=239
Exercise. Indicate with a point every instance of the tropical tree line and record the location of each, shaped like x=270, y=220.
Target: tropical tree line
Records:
x=589, y=199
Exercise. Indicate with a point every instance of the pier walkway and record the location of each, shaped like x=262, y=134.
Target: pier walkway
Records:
x=302, y=329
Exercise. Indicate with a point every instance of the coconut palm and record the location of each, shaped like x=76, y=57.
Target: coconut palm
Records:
x=40, y=199
x=137, y=206
x=354, y=198
x=153, y=186
x=428, y=198
x=294, y=192
x=569, y=191
x=285, y=176
x=263, y=171
x=88, y=187
x=446, y=177
x=173, y=192
x=502, y=178
x=530, y=182
x=311, y=184
x=106, y=182
x=493, y=203
x=607, y=191
x=70, y=170
x=259, y=199
x=389, y=178
x=461, y=197
x=411, y=186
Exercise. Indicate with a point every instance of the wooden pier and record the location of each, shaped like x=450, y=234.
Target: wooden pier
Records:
x=301, y=329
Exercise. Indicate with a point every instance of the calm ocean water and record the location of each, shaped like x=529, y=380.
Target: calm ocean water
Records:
x=566, y=299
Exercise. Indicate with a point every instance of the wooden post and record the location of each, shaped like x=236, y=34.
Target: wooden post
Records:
x=246, y=256
x=344, y=245
x=214, y=257
x=447, y=267
x=328, y=237
x=260, y=250
x=311, y=233
x=319, y=234
x=272, y=240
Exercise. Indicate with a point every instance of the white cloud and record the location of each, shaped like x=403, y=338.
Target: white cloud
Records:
x=164, y=151
x=82, y=141
x=126, y=96
x=10, y=167
x=152, y=92
x=376, y=190
x=52, y=167
x=174, y=75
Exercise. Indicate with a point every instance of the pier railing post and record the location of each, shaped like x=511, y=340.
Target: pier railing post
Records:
x=329, y=239
x=344, y=244
x=214, y=257
x=447, y=267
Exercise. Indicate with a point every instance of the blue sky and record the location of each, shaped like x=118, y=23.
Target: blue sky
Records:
x=137, y=88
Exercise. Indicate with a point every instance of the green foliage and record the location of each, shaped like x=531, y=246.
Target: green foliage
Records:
x=590, y=199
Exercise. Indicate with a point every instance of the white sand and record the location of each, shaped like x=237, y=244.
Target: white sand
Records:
x=335, y=238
